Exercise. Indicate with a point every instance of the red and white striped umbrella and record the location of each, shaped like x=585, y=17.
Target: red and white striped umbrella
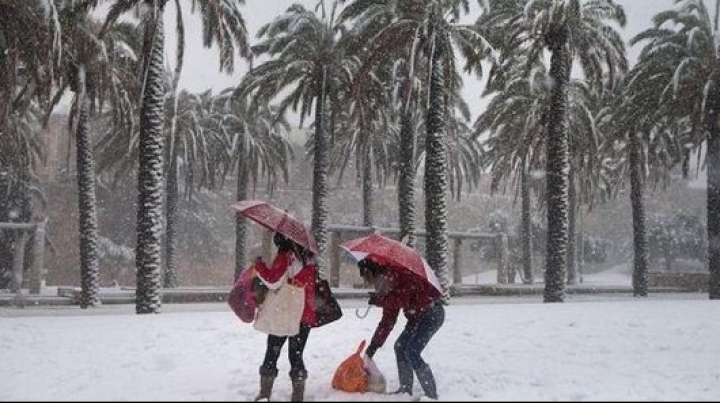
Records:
x=384, y=250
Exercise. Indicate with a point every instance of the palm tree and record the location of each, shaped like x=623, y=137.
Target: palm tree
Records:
x=686, y=76
x=189, y=134
x=222, y=23
x=185, y=122
x=513, y=116
x=516, y=120
x=404, y=120
x=21, y=152
x=170, y=278
x=357, y=136
x=196, y=162
x=646, y=141
x=365, y=129
x=254, y=146
x=307, y=57
x=422, y=28
x=30, y=51
x=571, y=31
x=406, y=176
x=90, y=71
x=89, y=264
x=394, y=152
x=585, y=182
x=172, y=154
x=150, y=170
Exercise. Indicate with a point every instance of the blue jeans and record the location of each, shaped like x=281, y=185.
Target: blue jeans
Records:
x=412, y=342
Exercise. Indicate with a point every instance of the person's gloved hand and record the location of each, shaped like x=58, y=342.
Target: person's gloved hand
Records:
x=370, y=351
x=374, y=299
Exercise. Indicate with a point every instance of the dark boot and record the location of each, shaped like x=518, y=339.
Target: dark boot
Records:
x=266, y=385
x=401, y=390
x=427, y=381
x=298, y=390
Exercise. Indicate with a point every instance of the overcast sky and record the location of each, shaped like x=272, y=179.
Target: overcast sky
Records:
x=200, y=70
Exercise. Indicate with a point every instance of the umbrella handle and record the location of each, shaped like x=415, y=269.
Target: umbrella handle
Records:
x=357, y=312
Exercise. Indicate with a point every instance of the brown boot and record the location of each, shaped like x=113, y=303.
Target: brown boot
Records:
x=298, y=390
x=266, y=385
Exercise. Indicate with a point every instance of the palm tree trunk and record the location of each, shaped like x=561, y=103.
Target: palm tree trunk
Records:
x=436, y=178
x=572, y=244
x=406, y=181
x=713, y=192
x=241, y=191
x=526, y=227
x=640, y=261
x=89, y=260
x=8, y=80
x=170, y=277
x=6, y=237
x=367, y=183
x=557, y=167
x=320, y=173
x=581, y=247
x=150, y=177
x=7, y=93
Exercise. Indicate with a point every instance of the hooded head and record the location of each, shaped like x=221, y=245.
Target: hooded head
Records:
x=282, y=242
x=369, y=268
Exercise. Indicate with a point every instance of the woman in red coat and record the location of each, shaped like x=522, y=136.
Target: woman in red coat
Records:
x=299, y=265
x=425, y=314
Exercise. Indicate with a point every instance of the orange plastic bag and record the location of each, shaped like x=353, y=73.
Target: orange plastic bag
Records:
x=350, y=376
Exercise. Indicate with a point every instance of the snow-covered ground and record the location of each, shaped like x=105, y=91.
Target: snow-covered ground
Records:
x=656, y=348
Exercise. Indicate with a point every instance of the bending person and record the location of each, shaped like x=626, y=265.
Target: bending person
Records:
x=425, y=314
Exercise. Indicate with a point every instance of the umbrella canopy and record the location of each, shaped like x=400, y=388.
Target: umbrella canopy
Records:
x=384, y=250
x=277, y=220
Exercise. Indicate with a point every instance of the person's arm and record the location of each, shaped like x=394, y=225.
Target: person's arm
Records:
x=276, y=270
x=386, y=325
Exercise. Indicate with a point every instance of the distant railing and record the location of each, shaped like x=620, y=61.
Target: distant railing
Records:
x=341, y=233
x=23, y=233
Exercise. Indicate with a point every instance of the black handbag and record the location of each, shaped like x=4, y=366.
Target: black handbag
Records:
x=327, y=309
